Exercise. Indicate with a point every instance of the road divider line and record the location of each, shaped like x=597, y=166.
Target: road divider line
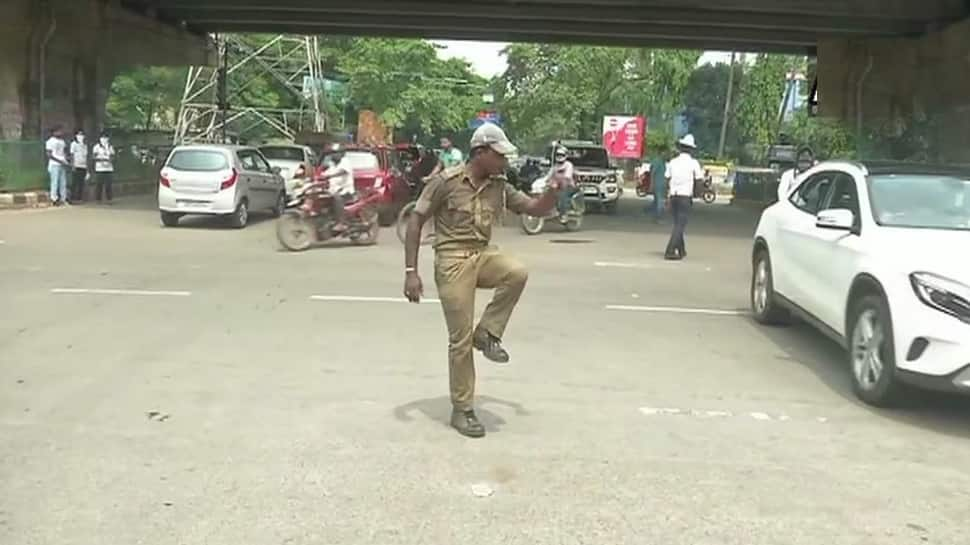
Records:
x=147, y=293
x=615, y=265
x=678, y=310
x=360, y=299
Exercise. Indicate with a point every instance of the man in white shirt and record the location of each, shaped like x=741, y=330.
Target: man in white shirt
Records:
x=682, y=173
x=804, y=160
x=341, y=178
x=104, y=169
x=57, y=165
x=79, y=162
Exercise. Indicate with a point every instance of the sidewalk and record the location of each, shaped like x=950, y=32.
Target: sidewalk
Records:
x=41, y=199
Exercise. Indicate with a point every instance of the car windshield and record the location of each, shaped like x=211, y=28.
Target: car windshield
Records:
x=198, y=160
x=282, y=153
x=921, y=201
x=589, y=157
x=358, y=160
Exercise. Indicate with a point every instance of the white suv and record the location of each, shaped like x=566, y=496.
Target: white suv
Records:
x=218, y=180
x=876, y=257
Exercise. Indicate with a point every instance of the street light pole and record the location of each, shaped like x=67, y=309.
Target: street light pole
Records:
x=727, y=109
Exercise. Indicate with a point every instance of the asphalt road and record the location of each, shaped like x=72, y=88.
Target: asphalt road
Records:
x=210, y=399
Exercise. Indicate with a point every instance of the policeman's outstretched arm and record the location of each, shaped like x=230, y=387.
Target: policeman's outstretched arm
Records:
x=520, y=202
x=413, y=288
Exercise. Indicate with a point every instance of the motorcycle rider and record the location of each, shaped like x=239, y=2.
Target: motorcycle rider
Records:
x=342, y=189
x=563, y=175
x=804, y=160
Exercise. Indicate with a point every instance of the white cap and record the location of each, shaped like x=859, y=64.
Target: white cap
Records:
x=688, y=141
x=493, y=136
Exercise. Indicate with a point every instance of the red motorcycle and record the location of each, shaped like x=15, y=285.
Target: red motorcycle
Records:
x=309, y=218
x=644, y=185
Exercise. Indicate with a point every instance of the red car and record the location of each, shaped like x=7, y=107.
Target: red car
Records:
x=377, y=167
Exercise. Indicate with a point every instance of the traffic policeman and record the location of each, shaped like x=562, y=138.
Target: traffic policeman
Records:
x=465, y=201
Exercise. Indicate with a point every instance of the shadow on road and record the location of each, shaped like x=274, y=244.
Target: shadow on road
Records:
x=942, y=413
x=439, y=410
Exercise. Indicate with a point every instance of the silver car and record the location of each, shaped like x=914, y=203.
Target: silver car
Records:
x=218, y=180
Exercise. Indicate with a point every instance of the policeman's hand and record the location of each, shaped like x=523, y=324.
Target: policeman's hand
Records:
x=413, y=288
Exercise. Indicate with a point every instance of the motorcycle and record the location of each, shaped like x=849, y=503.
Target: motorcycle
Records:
x=705, y=190
x=644, y=185
x=309, y=218
x=572, y=220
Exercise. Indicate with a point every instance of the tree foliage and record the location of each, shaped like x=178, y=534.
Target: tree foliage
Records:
x=558, y=91
x=145, y=98
x=704, y=98
x=760, y=99
x=405, y=80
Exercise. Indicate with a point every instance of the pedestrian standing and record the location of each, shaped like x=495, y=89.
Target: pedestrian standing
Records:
x=682, y=173
x=465, y=201
x=79, y=163
x=57, y=166
x=104, y=168
x=658, y=179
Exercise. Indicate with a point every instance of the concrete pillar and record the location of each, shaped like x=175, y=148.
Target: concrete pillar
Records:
x=92, y=40
x=904, y=84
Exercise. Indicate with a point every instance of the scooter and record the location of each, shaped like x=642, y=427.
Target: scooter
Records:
x=572, y=220
x=644, y=185
x=309, y=218
x=705, y=190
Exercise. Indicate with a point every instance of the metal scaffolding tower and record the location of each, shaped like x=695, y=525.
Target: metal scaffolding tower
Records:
x=212, y=108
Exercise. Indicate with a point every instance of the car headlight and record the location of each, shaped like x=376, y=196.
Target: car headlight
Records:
x=943, y=294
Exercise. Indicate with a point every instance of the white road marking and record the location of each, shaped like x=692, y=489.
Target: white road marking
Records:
x=678, y=310
x=2, y=242
x=702, y=414
x=81, y=291
x=611, y=264
x=357, y=299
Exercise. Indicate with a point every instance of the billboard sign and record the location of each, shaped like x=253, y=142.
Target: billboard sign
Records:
x=623, y=136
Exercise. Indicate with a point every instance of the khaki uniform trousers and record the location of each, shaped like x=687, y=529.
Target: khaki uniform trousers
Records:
x=458, y=273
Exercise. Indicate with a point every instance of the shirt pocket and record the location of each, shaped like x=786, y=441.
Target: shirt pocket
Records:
x=459, y=210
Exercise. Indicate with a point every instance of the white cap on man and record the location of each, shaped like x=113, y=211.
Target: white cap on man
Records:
x=688, y=142
x=493, y=136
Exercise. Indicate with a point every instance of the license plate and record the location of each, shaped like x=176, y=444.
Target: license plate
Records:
x=193, y=204
x=591, y=191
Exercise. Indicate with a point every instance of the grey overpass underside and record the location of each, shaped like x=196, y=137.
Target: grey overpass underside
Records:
x=745, y=25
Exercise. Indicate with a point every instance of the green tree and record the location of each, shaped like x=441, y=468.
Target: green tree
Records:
x=704, y=99
x=405, y=81
x=760, y=97
x=145, y=98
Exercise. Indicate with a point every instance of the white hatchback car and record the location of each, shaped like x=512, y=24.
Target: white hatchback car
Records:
x=876, y=257
x=296, y=164
x=218, y=180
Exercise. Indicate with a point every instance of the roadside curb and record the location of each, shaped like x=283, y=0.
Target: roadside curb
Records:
x=41, y=199
x=27, y=199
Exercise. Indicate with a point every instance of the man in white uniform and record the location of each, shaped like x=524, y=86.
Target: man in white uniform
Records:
x=682, y=172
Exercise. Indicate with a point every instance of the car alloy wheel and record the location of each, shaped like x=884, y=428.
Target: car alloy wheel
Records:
x=760, y=290
x=868, y=338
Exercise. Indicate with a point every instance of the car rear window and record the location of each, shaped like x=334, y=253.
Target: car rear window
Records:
x=282, y=153
x=359, y=160
x=198, y=160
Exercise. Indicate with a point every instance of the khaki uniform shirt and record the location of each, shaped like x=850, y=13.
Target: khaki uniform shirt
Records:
x=463, y=213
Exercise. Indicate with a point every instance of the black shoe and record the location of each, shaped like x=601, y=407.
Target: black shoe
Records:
x=490, y=347
x=467, y=423
x=672, y=257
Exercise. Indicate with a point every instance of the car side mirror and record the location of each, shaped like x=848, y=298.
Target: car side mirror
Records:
x=837, y=219
x=277, y=170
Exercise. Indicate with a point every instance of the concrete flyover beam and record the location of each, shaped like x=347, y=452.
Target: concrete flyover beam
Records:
x=742, y=24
